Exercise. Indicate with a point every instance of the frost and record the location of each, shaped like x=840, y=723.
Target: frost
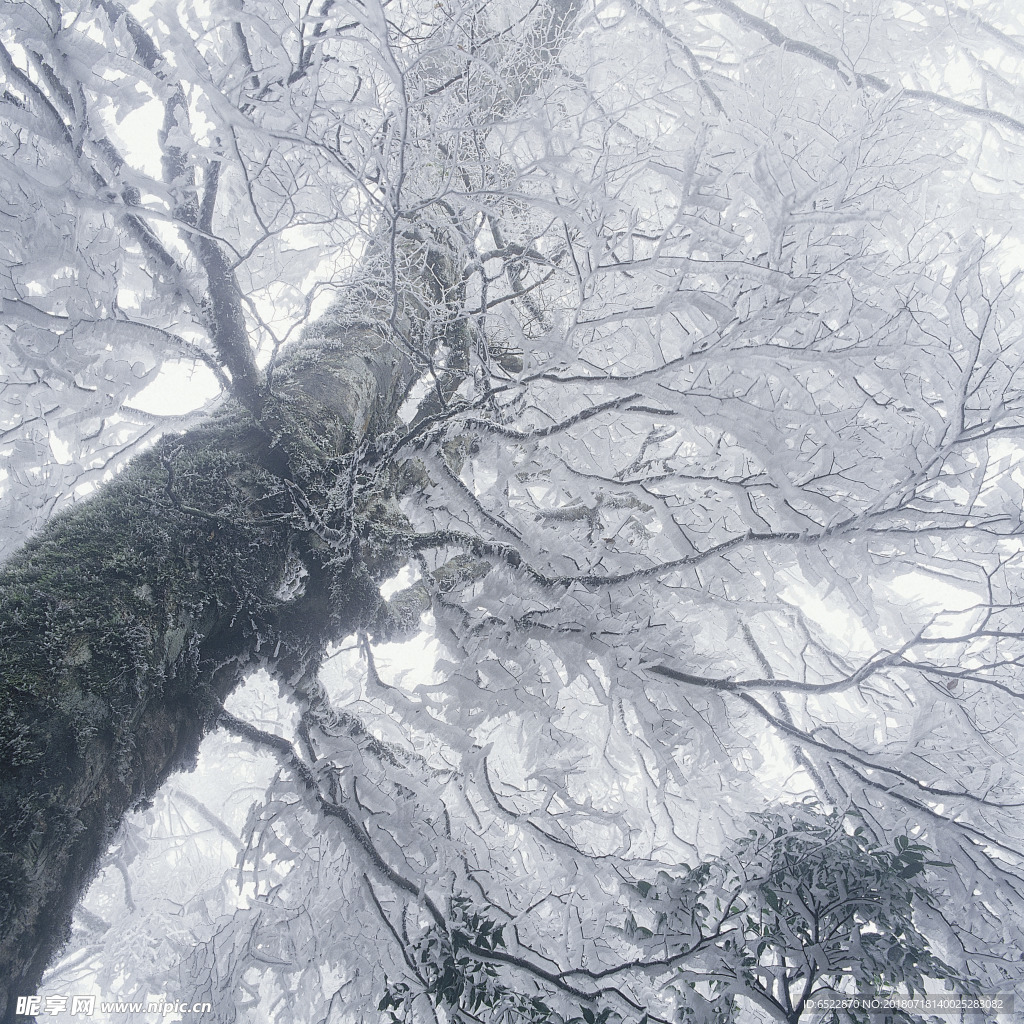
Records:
x=662, y=365
x=293, y=583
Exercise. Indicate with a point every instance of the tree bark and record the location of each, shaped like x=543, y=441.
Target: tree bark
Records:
x=126, y=623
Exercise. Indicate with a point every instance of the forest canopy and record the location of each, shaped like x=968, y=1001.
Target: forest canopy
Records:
x=557, y=467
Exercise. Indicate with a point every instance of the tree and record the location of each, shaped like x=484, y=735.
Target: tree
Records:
x=670, y=351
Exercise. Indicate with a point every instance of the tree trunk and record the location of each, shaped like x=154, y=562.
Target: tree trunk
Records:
x=126, y=623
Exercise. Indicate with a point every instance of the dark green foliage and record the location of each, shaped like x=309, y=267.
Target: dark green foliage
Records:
x=833, y=902
x=450, y=976
x=806, y=903
x=452, y=972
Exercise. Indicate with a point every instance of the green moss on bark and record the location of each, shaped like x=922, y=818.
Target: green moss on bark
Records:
x=130, y=618
x=115, y=624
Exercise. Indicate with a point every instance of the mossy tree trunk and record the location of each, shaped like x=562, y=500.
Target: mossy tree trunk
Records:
x=128, y=620
x=126, y=623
